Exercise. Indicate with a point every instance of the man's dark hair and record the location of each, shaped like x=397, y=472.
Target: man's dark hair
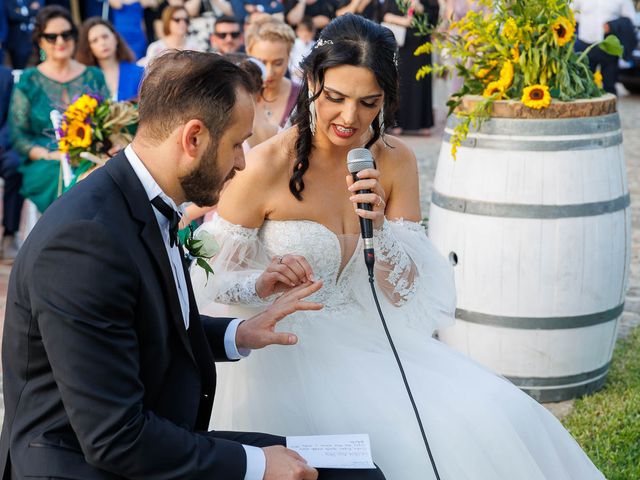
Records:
x=179, y=86
x=227, y=19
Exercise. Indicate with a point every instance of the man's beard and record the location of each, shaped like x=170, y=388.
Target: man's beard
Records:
x=203, y=185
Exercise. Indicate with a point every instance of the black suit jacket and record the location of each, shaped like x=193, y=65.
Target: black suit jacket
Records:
x=101, y=378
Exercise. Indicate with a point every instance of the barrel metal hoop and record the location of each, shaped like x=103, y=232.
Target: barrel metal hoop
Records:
x=532, y=144
x=540, y=323
x=523, y=210
x=545, y=127
x=565, y=381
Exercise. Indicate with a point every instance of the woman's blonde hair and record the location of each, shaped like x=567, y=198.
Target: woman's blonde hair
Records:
x=269, y=29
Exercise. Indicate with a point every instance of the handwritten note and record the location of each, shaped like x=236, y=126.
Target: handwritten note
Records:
x=334, y=451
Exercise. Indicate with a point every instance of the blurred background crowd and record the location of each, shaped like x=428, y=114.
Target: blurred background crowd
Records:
x=53, y=50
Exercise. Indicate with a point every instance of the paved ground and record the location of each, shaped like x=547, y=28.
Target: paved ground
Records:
x=427, y=150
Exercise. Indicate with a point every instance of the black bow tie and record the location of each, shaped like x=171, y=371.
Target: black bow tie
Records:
x=171, y=215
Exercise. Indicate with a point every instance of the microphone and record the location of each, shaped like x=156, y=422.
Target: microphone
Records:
x=360, y=159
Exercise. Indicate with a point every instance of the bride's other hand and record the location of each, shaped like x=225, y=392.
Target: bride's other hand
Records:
x=259, y=331
x=284, y=272
x=369, y=179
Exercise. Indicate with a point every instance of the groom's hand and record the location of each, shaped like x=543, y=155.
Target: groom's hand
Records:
x=285, y=464
x=259, y=331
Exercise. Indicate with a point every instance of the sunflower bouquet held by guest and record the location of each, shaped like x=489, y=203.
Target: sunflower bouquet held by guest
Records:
x=521, y=50
x=91, y=127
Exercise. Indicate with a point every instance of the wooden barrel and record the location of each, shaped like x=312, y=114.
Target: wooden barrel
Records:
x=534, y=213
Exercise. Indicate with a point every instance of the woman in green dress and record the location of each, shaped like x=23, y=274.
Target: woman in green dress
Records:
x=52, y=85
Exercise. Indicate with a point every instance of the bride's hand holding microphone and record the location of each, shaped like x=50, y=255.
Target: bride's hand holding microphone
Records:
x=292, y=275
x=368, y=179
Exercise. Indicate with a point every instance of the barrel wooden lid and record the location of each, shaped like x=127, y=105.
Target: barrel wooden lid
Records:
x=590, y=107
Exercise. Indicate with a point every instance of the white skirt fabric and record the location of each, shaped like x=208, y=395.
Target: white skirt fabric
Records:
x=342, y=376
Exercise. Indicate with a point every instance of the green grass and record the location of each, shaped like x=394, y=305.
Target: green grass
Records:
x=607, y=424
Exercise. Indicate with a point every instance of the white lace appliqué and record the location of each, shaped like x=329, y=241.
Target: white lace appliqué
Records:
x=389, y=252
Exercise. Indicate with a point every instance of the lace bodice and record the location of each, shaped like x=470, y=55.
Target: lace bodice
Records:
x=322, y=249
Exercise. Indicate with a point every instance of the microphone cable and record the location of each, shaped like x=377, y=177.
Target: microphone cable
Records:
x=404, y=376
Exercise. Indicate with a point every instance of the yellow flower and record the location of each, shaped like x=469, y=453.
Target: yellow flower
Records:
x=515, y=53
x=483, y=72
x=79, y=134
x=506, y=74
x=510, y=29
x=536, y=96
x=425, y=48
x=563, y=30
x=494, y=88
x=597, y=77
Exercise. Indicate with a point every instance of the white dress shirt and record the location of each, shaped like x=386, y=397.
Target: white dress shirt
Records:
x=593, y=14
x=256, y=461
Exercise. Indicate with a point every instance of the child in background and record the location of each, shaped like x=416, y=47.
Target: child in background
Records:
x=305, y=35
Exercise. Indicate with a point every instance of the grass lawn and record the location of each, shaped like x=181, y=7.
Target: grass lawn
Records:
x=607, y=424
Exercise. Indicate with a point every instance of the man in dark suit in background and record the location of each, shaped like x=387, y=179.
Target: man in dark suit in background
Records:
x=108, y=367
x=9, y=163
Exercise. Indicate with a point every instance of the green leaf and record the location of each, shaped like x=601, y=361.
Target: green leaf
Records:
x=612, y=46
x=204, y=265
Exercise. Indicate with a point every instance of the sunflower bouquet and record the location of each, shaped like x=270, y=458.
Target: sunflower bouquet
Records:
x=91, y=126
x=520, y=50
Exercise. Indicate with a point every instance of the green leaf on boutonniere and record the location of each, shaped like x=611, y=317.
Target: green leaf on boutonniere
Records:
x=202, y=263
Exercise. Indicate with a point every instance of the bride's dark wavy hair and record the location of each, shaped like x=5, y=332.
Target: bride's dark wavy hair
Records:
x=347, y=40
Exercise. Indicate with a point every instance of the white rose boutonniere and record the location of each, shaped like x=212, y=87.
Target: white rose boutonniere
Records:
x=200, y=247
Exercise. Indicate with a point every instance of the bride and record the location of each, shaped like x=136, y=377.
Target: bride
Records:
x=288, y=218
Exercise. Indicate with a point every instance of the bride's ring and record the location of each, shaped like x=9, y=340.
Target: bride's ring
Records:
x=379, y=201
x=280, y=259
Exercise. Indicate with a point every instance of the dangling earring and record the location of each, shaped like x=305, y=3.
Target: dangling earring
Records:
x=312, y=114
x=43, y=56
x=381, y=121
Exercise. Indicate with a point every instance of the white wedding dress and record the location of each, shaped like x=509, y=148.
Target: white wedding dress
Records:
x=342, y=377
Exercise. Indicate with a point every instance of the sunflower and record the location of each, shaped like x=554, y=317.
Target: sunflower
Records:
x=536, y=96
x=483, y=72
x=597, y=78
x=494, y=88
x=515, y=53
x=563, y=30
x=79, y=134
x=510, y=29
x=506, y=74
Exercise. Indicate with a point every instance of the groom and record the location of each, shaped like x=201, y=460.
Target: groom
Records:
x=108, y=367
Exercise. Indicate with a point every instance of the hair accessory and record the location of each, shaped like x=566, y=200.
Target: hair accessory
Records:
x=395, y=58
x=312, y=114
x=322, y=42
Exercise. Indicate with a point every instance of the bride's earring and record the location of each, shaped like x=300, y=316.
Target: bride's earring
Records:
x=312, y=114
x=381, y=121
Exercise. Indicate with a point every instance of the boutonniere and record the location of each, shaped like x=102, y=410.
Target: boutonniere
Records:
x=201, y=246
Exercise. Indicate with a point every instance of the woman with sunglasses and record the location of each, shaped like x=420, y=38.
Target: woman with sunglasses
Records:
x=51, y=85
x=175, y=26
x=99, y=44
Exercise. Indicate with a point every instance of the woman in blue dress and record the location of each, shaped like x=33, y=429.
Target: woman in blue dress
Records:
x=128, y=16
x=99, y=44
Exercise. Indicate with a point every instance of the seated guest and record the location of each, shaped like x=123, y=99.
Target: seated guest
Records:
x=51, y=85
x=270, y=41
x=100, y=45
x=9, y=162
x=20, y=15
x=227, y=36
x=175, y=26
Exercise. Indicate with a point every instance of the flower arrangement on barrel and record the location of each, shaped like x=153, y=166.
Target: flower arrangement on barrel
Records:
x=91, y=128
x=520, y=50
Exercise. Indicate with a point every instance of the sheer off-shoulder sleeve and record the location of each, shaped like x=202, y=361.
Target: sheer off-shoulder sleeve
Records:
x=416, y=280
x=22, y=137
x=237, y=266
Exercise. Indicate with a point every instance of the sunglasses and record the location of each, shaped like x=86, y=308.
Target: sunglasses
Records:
x=181, y=19
x=53, y=37
x=223, y=35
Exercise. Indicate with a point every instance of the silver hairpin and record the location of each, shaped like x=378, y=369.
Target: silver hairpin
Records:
x=322, y=42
